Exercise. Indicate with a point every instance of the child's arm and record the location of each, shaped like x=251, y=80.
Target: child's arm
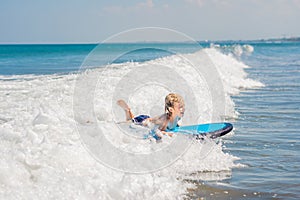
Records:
x=162, y=122
x=157, y=126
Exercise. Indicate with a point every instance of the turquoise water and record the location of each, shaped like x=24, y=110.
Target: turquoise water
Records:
x=58, y=58
x=41, y=59
x=267, y=132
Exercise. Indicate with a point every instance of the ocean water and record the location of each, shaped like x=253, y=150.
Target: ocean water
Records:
x=60, y=138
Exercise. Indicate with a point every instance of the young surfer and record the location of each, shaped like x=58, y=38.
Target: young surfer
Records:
x=174, y=111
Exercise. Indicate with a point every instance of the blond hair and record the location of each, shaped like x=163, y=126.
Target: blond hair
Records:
x=170, y=100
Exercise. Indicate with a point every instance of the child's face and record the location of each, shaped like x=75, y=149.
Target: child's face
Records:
x=178, y=110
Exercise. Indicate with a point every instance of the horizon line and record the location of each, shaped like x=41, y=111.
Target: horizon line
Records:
x=296, y=38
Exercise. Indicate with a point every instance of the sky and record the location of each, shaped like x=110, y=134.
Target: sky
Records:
x=94, y=21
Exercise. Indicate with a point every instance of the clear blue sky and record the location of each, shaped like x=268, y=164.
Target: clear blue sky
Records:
x=80, y=21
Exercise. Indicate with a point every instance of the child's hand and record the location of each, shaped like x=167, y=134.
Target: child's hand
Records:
x=170, y=134
x=167, y=133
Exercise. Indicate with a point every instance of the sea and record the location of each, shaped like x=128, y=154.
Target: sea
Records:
x=62, y=135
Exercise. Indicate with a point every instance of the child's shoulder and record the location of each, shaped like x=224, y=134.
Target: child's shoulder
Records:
x=160, y=118
x=163, y=116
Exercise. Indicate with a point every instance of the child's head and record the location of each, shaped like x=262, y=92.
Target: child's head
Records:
x=174, y=105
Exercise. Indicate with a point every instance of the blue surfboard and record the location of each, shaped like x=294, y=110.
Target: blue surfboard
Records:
x=212, y=130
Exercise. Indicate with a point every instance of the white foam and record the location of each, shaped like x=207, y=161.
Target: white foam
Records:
x=42, y=155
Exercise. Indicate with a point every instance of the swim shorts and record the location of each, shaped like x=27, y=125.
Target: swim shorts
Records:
x=139, y=119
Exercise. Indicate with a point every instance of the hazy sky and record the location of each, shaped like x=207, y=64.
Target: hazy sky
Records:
x=80, y=21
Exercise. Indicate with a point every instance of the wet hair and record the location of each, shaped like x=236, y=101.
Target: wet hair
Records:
x=170, y=100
